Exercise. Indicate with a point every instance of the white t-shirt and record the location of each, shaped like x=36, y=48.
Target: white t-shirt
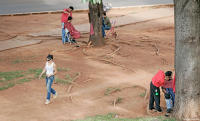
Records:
x=49, y=68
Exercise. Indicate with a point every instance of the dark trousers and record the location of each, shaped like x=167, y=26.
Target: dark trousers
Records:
x=154, y=97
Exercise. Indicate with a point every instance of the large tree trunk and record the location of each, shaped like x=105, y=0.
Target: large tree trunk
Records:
x=187, y=59
x=95, y=18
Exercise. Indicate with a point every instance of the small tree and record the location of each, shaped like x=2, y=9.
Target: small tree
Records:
x=95, y=18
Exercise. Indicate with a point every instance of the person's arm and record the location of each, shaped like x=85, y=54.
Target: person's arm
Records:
x=43, y=71
x=163, y=90
x=66, y=11
x=55, y=69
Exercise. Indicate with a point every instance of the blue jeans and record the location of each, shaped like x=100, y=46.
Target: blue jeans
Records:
x=63, y=33
x=104, y=27
x=170, y=91
x=49, y=81
x=169, y=103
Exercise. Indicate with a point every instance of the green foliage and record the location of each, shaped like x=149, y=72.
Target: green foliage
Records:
x=111, y=90
x=111, y=117
x=92, y=1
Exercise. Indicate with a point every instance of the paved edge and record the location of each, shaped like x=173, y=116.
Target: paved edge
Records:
x=86, y=10
x=39, y=41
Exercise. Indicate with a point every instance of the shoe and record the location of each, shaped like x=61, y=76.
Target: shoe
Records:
x=152, y=108
x=76, y=46
x=167, y=114
x=74, y=41
x=47, y=102
x=55, y=95
x=159, y=110
x=169, y=110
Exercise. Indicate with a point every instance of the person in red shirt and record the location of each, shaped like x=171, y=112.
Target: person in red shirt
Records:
x=64, y=18
x=157, y=81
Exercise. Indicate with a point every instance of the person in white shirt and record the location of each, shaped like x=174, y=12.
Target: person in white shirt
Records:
x=51, y=70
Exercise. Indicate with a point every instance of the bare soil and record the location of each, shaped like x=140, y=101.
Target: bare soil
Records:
x=127, y=63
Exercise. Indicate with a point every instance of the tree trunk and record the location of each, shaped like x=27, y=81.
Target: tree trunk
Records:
x=95, y=18
x=187, y=59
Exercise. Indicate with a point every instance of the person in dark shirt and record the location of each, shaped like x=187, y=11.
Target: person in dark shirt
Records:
x=106, y=24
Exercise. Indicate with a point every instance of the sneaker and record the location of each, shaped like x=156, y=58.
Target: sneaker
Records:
x=55, y=95
x=167, y=115
x=169, y=110
x=47, y=102
x=152, y=108
x=159, y=110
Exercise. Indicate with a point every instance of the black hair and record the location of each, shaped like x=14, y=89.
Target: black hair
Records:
x=104, y=13
x=50, y=57
x=168, y=73
x=69, y=18
x=71, y=7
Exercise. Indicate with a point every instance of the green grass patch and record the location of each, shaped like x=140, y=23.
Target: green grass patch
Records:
x=7, y=86
x=10, y=79
x=111, y=117
x=63, y=81
x=36, y=72
x=143, y=94
x=111, y=90
x=63, y=69
x=21, y=81
x=68, y=78
x=18, y=61
x=7, y=76
x=118, y=100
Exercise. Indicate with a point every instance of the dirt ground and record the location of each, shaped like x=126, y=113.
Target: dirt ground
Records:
x=127, y=64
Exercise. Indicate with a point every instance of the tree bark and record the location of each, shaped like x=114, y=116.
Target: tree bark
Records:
x=187, y=59
x=95, y=18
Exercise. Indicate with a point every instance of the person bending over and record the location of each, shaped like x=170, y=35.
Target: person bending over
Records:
x=64, y=18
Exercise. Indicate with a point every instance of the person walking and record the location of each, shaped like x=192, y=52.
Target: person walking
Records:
x=51, y=70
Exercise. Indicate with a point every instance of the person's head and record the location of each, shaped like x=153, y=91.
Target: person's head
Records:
x=168, y=75
x=71, y=8
x=104, y=14
x=69, y=19
x=50, y=58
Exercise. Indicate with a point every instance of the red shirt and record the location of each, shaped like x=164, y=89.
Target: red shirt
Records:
x=65, y=16
x=168, y=84
x=73, y=32
x=159, y=79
